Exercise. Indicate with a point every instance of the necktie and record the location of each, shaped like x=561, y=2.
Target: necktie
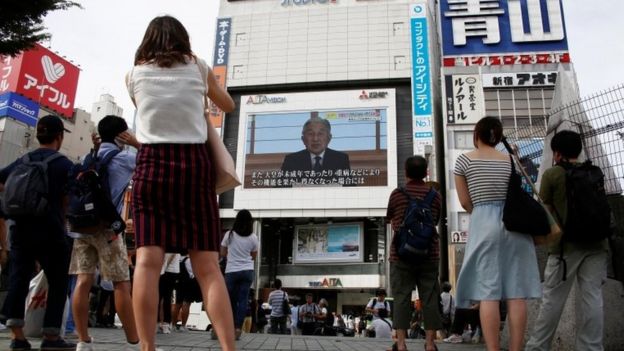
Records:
x=317, y=164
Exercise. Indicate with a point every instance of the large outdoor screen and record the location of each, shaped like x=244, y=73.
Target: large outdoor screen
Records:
x=322, y=243
x=328, y=147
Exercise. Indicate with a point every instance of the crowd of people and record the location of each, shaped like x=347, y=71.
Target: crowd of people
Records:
x=175, y=213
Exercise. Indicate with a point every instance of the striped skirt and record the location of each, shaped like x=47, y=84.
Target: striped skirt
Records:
x=174, y=202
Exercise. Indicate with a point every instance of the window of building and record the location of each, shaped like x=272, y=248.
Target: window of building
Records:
x=397, y=28
x=519, y=108
x=241, y=39
x=399, y=62
x=238, y=72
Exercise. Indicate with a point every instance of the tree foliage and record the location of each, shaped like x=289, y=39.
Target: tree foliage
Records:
x=21, y=22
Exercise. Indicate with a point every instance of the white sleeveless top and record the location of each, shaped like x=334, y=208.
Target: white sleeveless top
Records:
x=170, y=102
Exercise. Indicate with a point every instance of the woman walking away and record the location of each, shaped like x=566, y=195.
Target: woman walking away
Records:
x=240, y=246
x=173, y=197
x=498, y=264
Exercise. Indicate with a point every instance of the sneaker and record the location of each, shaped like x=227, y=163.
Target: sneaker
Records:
x=182, y=329
x=57, y=345
x=454, y=339
x=166, y=328
x=85, y=346
x=19, y=345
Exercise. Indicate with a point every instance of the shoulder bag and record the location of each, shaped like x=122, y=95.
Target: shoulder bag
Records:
x=225, y=170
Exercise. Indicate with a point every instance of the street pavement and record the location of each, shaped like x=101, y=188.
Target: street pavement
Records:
x=114, y=340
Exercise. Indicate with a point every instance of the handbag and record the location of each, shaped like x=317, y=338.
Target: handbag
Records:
x=285, y=305
x=222, y=162
x=522, y=213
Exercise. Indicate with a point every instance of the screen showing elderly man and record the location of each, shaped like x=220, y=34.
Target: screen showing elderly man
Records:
x=317, y=157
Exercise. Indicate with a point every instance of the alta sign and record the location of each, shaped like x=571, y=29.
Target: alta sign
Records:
x=263, y=99
x=326, y=283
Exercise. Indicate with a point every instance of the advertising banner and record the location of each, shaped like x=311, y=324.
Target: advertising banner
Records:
x=466, y=93
x=421, y=78
x=322, y=243
x=219, y=66
x=42, y=76
x=521, y=79
x=482, y=32
x=19, y=107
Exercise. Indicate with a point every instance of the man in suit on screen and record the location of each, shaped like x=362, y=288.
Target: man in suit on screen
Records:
x=316, y=135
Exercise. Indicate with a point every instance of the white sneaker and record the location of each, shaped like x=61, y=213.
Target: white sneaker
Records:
x=454, y=339
x=85, y=346
x=166, y=328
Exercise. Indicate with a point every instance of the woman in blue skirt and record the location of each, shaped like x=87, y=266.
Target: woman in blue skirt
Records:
x=498, y=264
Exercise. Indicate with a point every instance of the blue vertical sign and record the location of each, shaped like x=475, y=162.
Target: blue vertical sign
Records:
x=421, y=78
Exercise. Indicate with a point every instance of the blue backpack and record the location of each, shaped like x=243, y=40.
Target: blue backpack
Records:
x=413, y=240
x=90, y=205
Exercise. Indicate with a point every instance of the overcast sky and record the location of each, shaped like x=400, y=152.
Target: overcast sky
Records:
x=103, y=37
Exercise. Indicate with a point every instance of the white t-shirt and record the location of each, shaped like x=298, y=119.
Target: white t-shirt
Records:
x=239, y=251
x=171, y=263
x=379, y=305
x=448, y=303
x=382, y=329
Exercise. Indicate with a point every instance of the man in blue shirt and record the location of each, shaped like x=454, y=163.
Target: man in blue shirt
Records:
x=104, y=248
x=41, y=239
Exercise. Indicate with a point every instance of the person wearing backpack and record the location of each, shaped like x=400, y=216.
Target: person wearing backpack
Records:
x=381, y=326
x=574, y=192
x=34, y=197
x=378, y=303
x=421, y=271
x=104, y=248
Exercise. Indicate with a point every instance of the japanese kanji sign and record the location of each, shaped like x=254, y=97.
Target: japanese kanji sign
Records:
x=43, y=77
x=421, y=78
x=465, y=103
x=520, y=79
x=502, y=26
x=220, y=61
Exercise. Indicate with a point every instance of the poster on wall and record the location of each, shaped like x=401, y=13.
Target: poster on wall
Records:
x=344, y=147
x=466, y=101
x=322, y=243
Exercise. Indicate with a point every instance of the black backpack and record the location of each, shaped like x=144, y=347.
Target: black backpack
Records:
x=90, y=204
x=413, y=240
x=26, y=188
x=589, y=215
x=184, y=275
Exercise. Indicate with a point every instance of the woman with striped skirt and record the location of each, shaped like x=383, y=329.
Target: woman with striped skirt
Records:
x=174, y=201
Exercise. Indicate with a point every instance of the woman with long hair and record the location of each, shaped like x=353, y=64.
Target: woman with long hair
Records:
x=240, y=246
x=174, y=201
x=498, y=264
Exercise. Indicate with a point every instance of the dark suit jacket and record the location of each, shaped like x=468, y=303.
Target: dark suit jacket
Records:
x=301, y=161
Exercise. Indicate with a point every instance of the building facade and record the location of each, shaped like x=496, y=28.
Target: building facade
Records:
x=105, y=106
x=393, y=78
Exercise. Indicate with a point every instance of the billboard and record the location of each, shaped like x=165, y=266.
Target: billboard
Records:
x=465, y=99
x=503, y=32
x=322, y=243
x=317, y=149
x=219, y=66
x=20, y=108
x=422, y=101
x=43, y=77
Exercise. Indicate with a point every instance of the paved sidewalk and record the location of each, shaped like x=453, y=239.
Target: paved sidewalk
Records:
x=114, y=340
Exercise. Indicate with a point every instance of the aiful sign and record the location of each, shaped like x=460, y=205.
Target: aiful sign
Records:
x=43, y=77
x=496, y=27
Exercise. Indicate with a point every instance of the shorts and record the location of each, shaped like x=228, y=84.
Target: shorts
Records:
x=92, y=250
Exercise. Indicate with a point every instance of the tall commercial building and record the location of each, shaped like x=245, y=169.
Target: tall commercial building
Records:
x=393, y=79
x=105, y=106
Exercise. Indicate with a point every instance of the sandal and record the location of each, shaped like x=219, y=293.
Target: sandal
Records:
x=395, y=347
x=435, y=347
